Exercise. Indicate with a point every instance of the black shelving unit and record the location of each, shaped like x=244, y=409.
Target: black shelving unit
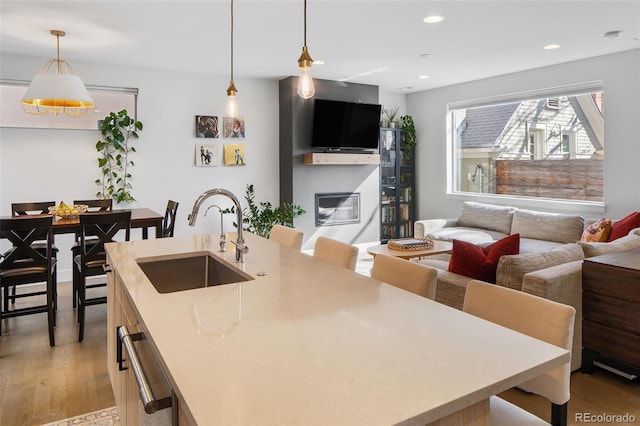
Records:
x=397, y=186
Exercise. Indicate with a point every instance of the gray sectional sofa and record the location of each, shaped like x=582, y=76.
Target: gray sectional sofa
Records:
x=549, y=264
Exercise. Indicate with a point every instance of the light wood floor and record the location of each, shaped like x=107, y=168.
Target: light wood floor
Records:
x=40, y=384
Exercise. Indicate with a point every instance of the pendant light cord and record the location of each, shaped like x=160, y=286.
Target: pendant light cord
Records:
x=231, y=40
x=305, y=23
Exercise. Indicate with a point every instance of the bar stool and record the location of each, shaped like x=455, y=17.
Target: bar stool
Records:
x=92, y=257
x=29, y=209
x=23, y=264
x=94, y=206
x=336, y=252
x=169, y=219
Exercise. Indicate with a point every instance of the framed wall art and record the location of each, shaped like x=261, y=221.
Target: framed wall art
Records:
x=206, y=155
x=206, y=126
x=234, y=155
x=234, y=127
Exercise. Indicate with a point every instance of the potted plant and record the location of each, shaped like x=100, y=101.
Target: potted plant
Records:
x=410, y=139
x=260, y=218
x=390, y=115
x=117, y=130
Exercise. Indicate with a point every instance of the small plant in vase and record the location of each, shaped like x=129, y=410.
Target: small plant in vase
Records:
x=117, y=129
x=390, y=115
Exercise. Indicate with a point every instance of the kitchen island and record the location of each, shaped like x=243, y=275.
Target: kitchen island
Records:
x=305, y=342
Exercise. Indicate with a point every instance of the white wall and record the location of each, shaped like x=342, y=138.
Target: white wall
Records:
x=54, y=165
x=621, y=76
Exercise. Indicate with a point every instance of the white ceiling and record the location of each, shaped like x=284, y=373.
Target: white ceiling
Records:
x=373, y=42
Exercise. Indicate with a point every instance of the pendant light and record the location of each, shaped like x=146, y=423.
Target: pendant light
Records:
x=232, y=103
x=305, y=82
x=56, y=89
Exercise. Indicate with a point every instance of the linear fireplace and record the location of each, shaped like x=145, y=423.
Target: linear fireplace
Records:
x=337, y=208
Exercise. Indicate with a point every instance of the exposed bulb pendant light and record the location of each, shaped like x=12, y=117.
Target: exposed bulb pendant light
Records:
x=232, y=103
x=56, y=89
x=305, y=82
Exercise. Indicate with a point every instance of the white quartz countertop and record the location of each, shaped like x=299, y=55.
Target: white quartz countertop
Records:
x=310, y=343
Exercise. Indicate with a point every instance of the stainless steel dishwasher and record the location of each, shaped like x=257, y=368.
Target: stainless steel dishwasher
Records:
x=157, y=404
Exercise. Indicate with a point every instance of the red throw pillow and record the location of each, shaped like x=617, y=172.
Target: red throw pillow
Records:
x=478, y=262
x=622, y=227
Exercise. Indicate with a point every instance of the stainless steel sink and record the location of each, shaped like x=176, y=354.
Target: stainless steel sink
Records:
x=171, y=273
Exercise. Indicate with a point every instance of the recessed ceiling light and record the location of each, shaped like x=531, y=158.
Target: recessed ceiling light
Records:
x=318, y=62
x=552, y=46
x=612, y=34
x=423, y=76
x=433, y=19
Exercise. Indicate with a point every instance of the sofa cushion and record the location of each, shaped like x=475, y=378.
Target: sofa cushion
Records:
x=512, y=268
x=597, y=231
x=621, y=244
x=470, y=235
x=623, y=226
x=486, y=216
x=479, y=262
x=557, y=227
x=528, y=245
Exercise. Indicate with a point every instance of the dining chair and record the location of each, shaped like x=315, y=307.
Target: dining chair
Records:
x=287, y=236
x=336, y=252
x=169, y=219
x=23, y=264
x=32, y=208
x=405, y=274
x=92, y=258
x=537, y=317
x=94, y=206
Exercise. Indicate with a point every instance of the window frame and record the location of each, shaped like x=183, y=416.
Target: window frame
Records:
x=452, y=165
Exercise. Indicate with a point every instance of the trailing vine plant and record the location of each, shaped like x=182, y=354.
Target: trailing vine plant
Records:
x=117, y=130
x=260, y=218
x=410, y=139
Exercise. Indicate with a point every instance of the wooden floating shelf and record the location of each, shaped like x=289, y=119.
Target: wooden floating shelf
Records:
x=325, y=158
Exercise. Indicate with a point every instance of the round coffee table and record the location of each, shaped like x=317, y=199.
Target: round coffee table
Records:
x=439, y=247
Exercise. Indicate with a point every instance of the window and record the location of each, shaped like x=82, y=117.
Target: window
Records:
x=107, y=99
x=546, y=144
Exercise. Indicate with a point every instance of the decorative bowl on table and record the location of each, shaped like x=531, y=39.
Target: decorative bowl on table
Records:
x=410, y=244
x=68, y=211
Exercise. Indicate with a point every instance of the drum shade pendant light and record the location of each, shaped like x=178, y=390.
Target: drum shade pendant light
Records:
x=232, y=103
x=56, y=89
x=305, y=82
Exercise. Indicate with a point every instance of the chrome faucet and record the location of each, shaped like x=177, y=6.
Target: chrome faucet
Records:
x=223, y=237
x=241, y=248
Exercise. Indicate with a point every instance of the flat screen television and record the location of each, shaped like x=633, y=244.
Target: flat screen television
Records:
x=345, y=126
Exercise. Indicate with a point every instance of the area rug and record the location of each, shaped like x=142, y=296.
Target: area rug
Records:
x=105, y=417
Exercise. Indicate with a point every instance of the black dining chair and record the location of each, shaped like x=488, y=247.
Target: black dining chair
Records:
x=23, y=264
x=28, y=209
x=92, y=258
x=169, y=219
x=94, y=206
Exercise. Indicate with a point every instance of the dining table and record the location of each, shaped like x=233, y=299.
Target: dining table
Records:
x=143, y=218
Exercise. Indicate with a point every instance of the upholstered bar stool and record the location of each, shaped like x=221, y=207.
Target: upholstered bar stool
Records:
x=287, y=236
x=336, y=252
x=537, y=317
x=407, y=275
